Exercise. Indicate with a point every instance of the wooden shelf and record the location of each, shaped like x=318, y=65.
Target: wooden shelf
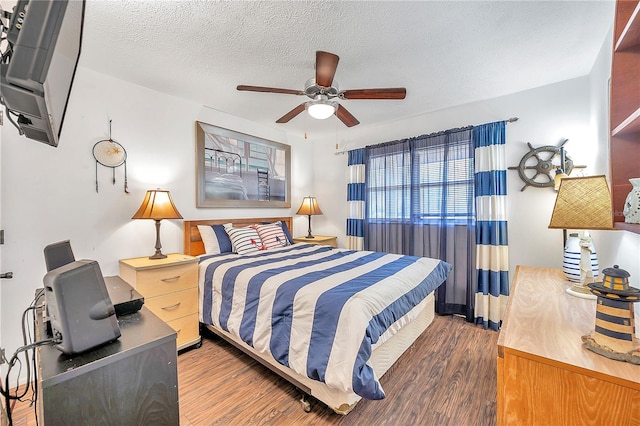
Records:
x=624, y=113
x=632, y=227
x=628, y=126
x=630, y=36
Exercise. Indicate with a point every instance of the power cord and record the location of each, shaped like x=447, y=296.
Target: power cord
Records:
x=30, y=363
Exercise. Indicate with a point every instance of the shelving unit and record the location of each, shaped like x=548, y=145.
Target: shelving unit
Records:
x=624, y=147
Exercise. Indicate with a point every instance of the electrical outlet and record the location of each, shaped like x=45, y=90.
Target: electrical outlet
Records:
x=2, y=356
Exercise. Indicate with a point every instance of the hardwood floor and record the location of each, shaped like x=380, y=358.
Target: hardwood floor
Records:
x=448, y=377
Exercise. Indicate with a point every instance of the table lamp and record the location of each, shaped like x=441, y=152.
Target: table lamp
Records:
x=309, y=207
x=157, y=205
x=583, y=203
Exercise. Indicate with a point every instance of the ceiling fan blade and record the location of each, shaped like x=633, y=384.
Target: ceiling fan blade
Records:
x=291, y=114
x=389, y=93
x=326, y=64
x=346, y=117
x=269, y=90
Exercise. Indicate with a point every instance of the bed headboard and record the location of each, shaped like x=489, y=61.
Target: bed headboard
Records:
x=193, y=243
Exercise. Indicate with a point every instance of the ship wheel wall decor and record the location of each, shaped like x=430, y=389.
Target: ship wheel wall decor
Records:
x=538, y=166
x=109, y=153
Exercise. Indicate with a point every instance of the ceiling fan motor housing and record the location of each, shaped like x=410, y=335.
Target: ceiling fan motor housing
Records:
x=312, y=90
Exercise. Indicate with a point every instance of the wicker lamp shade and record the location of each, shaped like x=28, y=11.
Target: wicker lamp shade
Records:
x=583, y=203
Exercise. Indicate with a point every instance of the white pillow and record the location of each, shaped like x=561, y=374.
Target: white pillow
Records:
x=215, y=239
x=245, y=240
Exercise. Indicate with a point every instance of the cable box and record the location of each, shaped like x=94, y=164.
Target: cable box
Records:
x=125, y=299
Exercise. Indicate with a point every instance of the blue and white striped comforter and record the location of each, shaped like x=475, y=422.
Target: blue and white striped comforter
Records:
x=316, y=309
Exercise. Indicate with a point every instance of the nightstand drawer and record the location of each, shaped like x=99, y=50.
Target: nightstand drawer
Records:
x=174, y=305
x=159, y=281
x=187, y=329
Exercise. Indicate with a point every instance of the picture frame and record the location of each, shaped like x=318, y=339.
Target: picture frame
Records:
x=234, y=169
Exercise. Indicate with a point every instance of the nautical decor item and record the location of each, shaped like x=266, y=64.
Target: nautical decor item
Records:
x=631, y=209
x=110, y=153
x=580, y=251
x=540, y=166
x=614, y=335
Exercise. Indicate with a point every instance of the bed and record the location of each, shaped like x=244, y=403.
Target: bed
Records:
x=337, y=361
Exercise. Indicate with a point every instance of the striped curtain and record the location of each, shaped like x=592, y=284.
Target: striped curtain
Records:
x=355, y=200
x=492, y=257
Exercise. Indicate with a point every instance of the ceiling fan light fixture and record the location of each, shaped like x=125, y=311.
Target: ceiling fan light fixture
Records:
x=321, y=109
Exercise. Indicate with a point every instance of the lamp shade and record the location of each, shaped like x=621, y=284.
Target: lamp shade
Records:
x=583, y=203
x=309, y=206
x=157, y=205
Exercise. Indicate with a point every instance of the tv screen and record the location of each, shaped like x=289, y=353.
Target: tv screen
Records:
x=37, y=70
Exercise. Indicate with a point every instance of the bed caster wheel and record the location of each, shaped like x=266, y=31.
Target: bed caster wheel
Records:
x=306, y=406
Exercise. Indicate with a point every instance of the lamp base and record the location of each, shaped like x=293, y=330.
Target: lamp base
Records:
x=158, y=256
x=581, y=291
x=309, y=230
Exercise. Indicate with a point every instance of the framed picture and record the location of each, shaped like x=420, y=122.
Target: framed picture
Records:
x=238, y=170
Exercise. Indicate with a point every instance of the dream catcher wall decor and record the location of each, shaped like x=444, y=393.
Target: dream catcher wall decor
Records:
x=109, y=153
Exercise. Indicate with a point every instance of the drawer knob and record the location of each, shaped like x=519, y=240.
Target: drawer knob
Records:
x=170, y=278
x=169, y=308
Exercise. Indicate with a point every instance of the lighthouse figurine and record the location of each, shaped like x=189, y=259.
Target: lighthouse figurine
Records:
x=614, y=335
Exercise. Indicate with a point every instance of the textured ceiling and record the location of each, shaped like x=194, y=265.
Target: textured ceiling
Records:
x=445, y=53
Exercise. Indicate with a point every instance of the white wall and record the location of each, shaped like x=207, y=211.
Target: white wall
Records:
x=574, y=109
x=48, y=194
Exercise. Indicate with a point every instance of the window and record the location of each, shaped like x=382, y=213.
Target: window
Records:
x=425, y=181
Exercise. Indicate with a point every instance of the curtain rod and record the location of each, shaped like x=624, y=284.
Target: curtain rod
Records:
x=507, y=121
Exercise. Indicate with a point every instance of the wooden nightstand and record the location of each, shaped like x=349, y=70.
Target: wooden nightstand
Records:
x=170, y=290
x=318, y=239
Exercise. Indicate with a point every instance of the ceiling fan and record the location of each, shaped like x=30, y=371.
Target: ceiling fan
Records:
x=322, y=89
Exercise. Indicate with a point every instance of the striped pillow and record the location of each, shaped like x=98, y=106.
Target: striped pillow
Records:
x=244, y=240
x=272, y=235
x=215, y=239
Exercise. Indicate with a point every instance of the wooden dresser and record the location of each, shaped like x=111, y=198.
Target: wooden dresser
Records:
x=131, y=381
x=170, y=290
x=545, y=376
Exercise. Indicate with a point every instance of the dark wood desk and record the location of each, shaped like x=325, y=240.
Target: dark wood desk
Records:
x=132, y=381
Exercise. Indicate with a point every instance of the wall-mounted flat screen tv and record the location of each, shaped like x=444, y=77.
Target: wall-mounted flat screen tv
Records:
x=38, y=66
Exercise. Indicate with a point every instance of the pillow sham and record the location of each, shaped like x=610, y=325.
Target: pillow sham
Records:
x=285, y=229
x=244, y=240
x=272, y=235
x=215, y=239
